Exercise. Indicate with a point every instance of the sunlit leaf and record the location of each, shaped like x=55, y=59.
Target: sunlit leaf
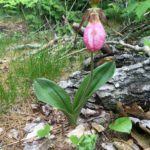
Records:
x=142, y=8
x=50, y=93
x=100, y=76
x=74, y=139
x=147, y=42
x=44, y=132
x=123, y=124
x=85, y=142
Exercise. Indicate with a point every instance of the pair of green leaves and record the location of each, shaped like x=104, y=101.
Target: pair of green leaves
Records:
x=85, y=142
x=49, y=92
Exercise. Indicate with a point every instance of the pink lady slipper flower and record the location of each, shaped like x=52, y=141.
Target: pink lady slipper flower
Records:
x=94, y=34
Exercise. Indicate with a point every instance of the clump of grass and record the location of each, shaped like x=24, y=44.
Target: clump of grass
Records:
x=40, y=65
x=22, y=74
x=52, y=63
x=8, y=92
x=43, y=64
x=6, y=41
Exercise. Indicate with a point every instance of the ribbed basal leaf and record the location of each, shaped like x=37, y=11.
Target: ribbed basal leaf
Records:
x=49, y=92
x=100, y=76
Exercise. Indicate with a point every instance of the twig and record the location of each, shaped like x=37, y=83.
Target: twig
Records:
x=146, y=49
x=78, y=51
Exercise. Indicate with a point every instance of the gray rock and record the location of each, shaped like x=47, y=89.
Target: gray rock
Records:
x=29, y=127
x=143, y=124
x=103, y=118
x=88, y=112
x=93, y=106
x=32, y=129
x=92, y=99
x=146, y=123
x=108, y=146
x=66, y=83
x=43, y=144
x=130, y=83
x=76, y=74
x=32, y=141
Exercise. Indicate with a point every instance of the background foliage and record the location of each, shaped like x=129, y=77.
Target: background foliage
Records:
x=37, y=12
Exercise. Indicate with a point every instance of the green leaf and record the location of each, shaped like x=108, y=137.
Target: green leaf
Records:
x=131, y=7
x=142, y=8
x=74, y=139
x=49, y=92
x=44, y=132
x=123, y=124
x=87, y=142
x=100, y=76
x=147, y=42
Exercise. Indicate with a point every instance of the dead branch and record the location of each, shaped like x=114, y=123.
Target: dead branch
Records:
x=137, y=48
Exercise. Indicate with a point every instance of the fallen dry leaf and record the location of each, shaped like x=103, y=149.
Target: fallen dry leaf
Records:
x=136, y=111
x=142, y=138
x=99, y=128
x=123, y=145
x=143, y=124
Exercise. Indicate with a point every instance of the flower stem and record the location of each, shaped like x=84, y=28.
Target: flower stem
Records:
x=92, y=66
x=84, y=98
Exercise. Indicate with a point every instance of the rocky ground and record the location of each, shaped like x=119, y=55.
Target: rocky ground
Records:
x=126, y=94
x=94, y=118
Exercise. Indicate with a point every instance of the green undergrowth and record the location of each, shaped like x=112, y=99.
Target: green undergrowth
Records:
x=53, y=63
x=6, y=41
x=8, y=92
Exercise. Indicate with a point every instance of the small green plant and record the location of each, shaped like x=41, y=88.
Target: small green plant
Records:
x=85, y=142
x=139, y=8
x=134, y=9
x=38, y=12
x=6, y=41
x=114, y=11
x=49, y=92
x=123, y=124
x=147, y=43
x=45, y=131
x=8, y=92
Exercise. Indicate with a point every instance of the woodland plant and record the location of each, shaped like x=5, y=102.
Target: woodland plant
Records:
x=85, y=142
x=49, y=92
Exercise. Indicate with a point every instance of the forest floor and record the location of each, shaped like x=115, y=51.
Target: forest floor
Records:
x=17, y=109
x=20, y=111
